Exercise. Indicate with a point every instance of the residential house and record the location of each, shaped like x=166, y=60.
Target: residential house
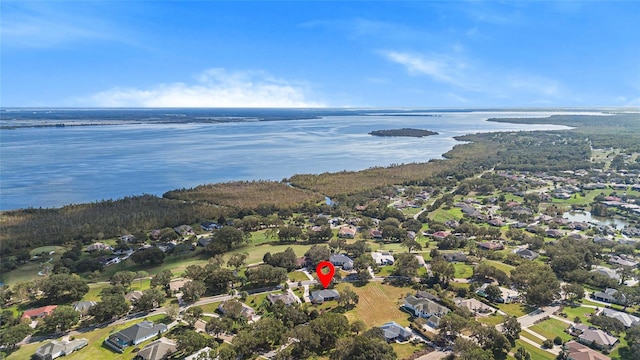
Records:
x=597, y=338
x=420, y=294
x=611, y=273
x=425, y=308
x=287, y=298
x=57, y=348
x=375, y=234
x=627, y=320
x=383, y=258
x=507, y=296
x=491, y=245
x=204, y=241
x=341, y=260
x=609, y=296
x=83, y=307
x=184, y=230
x=209, y=226
x=439, y=235
x=452, y=224
x=197, y=355
x=496, y=222
x=320, y=296
x=619, y=260
x=473, y=305
x=157, y=350
x=455, y=257
x=134, y=335
x=133, y=296
x=98, y=246
x=577, y=351
x=553, y=233
x=128, y=238
x=38, y=313
x=347, y=232
x=527, y=254
x=177, y=284
x=394, y=332
x=246, y=312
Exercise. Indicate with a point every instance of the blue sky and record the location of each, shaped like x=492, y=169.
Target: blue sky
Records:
x=320, y=53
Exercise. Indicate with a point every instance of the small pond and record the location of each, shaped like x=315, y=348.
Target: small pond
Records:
x=585, y=216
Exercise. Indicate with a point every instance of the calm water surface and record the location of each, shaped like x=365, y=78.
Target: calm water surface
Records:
x=51, y=167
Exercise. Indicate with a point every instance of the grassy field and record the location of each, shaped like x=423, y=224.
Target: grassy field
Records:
x=579, y=311
x=380, y=303
x=536, y=352
x=502, y=266
x=29, y=271
x=95, y=349
x=463, y=271
x=531, y=337
x=297, y=276
x=492, y=320
x=404, y=351
x=551, y=328
x=516, y=310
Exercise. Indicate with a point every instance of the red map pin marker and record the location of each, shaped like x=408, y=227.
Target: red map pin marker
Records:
x=325, y=279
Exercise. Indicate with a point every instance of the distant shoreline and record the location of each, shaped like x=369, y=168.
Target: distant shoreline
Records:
x=404, y=132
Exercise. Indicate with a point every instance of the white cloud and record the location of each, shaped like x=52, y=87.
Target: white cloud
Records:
x=444, y=69
x=213, y=88
x=462, y=74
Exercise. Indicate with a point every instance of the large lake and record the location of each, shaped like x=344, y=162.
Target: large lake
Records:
x=51, y=167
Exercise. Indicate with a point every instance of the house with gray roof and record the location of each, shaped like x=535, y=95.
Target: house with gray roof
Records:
x=527, y=254
x=597, y=338
x=83, y=307
x=395, y=332
x=341, y=260
x=58, y=348
x=287, y=298
x=320, y=296
x=425, y=308
x=627, y=320
x=609, y=296
x=134, y=335
x=157, y=350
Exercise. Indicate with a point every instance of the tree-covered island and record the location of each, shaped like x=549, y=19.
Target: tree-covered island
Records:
x=403, y=132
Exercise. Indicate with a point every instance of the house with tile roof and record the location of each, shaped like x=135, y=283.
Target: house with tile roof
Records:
x=57, y=348
x=134, y=335
x=577, y=351
x=473, y=305
x=38, y=313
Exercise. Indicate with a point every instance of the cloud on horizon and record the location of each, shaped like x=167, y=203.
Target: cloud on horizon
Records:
x=460, y=73
x=216, y=87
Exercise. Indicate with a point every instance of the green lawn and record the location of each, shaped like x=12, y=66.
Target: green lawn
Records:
x=297, y=276
x=499, y=265
x=516, y=310
x=551, y=328
x=463, y=271
x=578, y=311
x=536, y=353
x=95, y=349
x=404, y=351
x=531, y=337
x=492, y=320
